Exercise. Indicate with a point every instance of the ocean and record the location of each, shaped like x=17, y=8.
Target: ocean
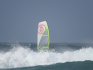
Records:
x=61, y=56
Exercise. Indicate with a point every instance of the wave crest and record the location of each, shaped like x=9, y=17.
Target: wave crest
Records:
x=23, y=57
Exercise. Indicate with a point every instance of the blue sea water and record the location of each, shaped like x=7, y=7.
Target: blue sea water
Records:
x=62, y=56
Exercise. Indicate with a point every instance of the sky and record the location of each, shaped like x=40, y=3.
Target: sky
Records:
x=68, y=20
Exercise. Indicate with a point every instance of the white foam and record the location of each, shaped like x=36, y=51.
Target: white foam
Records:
x=22, y=57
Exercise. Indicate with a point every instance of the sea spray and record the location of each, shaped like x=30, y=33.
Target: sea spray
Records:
x=20, y=56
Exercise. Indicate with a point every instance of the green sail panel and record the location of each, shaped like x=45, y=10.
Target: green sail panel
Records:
x=43, y=36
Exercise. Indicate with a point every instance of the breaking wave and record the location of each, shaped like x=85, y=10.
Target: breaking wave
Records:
x=24, y=57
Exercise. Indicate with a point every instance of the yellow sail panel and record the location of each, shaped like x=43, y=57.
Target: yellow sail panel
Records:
x=43, y=38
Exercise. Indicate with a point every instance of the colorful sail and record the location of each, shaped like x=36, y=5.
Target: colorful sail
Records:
x=43, y=35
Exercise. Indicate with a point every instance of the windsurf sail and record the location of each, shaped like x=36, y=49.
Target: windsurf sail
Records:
x=43, y=36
